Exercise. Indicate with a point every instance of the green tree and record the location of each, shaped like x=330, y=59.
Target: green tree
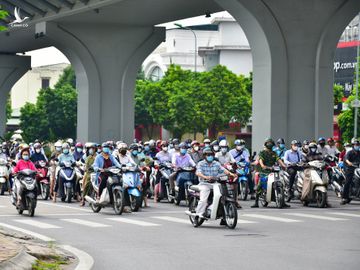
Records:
x=8, y=108
x=3, y=15
x=338, y=93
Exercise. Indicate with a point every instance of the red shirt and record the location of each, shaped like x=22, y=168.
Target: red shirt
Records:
x=23, y=165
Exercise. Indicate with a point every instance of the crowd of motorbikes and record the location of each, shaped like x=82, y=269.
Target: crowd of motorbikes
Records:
x=129, y=186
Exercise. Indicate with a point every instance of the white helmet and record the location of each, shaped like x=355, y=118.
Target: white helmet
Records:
x=223, y=143
x=58, y=144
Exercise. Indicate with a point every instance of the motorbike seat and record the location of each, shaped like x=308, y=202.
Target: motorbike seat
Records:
x=195, y=188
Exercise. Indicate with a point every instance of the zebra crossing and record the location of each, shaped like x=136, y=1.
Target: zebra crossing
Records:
x=54, y=223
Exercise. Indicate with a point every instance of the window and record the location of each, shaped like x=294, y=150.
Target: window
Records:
x=156, y=74
x=45, y=83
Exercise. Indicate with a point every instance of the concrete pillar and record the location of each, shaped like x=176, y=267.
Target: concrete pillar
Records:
x=106, y=60
x=293, y=44
x=12, y=68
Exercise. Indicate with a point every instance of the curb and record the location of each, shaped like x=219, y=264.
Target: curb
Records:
x=22, y=261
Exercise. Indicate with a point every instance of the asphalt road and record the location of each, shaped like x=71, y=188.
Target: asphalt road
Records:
x=161, y=236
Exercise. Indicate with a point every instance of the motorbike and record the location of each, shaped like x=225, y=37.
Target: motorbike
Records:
x=243, y=171
x=80, y=171
x=165, y=170
x=355, y=185
x=4, y=176
x=317, y=188
x=337, y=180
x=272, y=188
x=43, y=179
x=113, y=189
x=67, y=178
x=185, y=178
x=27, y=192
x=131, y=186
x=220, y=204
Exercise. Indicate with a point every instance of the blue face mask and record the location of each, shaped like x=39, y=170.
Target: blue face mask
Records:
x=25, y=157
x=66, y=151
x=210, y=158
x=106, y=150
x=282, y=146
x=183, y=151
x=134, y=153
x=147, y=148
x=79, y=150
x=356, y=148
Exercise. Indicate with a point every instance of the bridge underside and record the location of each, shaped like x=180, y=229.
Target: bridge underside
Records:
x=292, y=41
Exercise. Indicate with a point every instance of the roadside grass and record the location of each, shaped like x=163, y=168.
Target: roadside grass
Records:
x=53, y=263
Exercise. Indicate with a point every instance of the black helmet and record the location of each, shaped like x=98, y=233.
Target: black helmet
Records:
x=134, y=146
x=214, y=143
x=280, y=141
x=269, y=140
x=207, y=151
x=176, y=141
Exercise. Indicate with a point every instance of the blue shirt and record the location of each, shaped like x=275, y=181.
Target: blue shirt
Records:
x=209, y=169
x=292, y=157
x=280, y=152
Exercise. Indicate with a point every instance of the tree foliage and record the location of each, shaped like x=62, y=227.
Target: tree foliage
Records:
x=8, y=108
x=54, y=114
x=338, y=93
x=3, y=15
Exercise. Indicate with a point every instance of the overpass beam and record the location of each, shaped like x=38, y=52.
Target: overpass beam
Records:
x=106, y=60
x=12, y=68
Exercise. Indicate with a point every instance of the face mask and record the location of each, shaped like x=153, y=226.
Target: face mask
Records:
x=216, y=148
x=106, y=150
x=58, y=149
x=206, y=145
x=134, y=153
x=282, y=146
x=139, y=150
x=123, y=152
x=91, y=151
x=322, y=144
x=269, y=146
x=38, y=150
x=147, y=148
x=196, y=148
x=210, y=158
x=79, y=150
x=306, y=147
x=66, y=151
x=165, y=149
x=99, y=150
x=183, y=151
x=25, y=157
x=295, y=148
x=312, y=150
x=223, y=150
x=356, y=147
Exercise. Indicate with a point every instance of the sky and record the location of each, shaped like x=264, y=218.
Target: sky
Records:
x=51, y=55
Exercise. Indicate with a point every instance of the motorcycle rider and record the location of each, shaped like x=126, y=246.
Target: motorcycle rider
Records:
x=79, y=152
x=223, y=156
x=103, y=161
x=331, y=148
x=215, y=146
x=206, y=143
x=321, y=147
x=148, y=151
x=90, y=152
x=38, y=155
x=164, y=155
x=291, y=158
x=66, y=156
x=313, y=153
x=5, y=149
x=196, y=153
x=352, y=158
x=280, y=149
x=176, y=149
x=23, y=163
x=123, y=157
x=267, y=159
x=206, y=170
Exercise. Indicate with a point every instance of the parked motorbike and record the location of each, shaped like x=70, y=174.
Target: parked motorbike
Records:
x=272, y=188
x=317, y=188
x=67, y=178
x=4, y=176
x=184, y=179
x=113, y=188
x=43, y=179
x=27, y=192
x=220, y=204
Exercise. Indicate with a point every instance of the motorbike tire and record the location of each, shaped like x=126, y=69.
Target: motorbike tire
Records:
x=31, y=207
x=69, y=194
x=243, y=190
x=231, y=216
x=135, y=203
x=45, y=192
x=119, y=202
x=176, y=199
x=20, y=210
x=94, y=207
x=262, y=198
x=305, y=203
x=321, y=198
x=2, y=188
x=192, y=208
x=279, y=198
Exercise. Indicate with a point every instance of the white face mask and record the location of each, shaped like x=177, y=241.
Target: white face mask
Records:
x=223, y=150
x=165, y=149
x=216, y=148
x=38, y=150
x=196, y=148
x=295, y=148
x=239, y=147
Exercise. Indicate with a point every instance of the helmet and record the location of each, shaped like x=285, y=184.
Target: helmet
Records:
x=330, y=140
x=79, y=145
x=70, y=141
x=134, y=146
x=151, y=143
x=188, y=141
x=239, y=142
x=105, y=144
x=4, y=144
x=183, y=145
x=207, y=140
x=312, y=145
x=58, y=144
x=269, y=140
x=294, y=142
x=37, y=145
x=146, y=143
x=194, y=143
x=347, y=144
x=280, y=141
x=122, y=146
x=207, y=151
x=90, y=145
x=65, y=145
x=214, y=143
x=223, y=143
x=163, y=143
x=321, y=139
x=176, y=141
x=305, y=142
x=354, y=141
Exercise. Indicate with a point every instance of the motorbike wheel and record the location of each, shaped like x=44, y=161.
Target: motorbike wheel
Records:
x=94, y=207
x=230, y=213
x=321, y=198
x=135, y=203
x=119, y=202
x=192, y=208
x=68, y=194
x=262, y=198
x=244, y=190
x=305, y=203
x=177, y=199
x=31, y=207
x=45, y=192
x=2, y=188
x=20, y=210
x=279, y=198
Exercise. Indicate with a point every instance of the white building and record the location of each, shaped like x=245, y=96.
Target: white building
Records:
x=222, y=42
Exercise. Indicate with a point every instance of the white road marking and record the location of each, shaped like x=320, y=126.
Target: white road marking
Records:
x=2, y=206
x=34, y=234
x=37, y=224
x=85, y=260
x=86, y=223
x=344, y=214
x=135, y=222
x=280, y=219
x=174, y=219
x=58, y=204
x=315, y=216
